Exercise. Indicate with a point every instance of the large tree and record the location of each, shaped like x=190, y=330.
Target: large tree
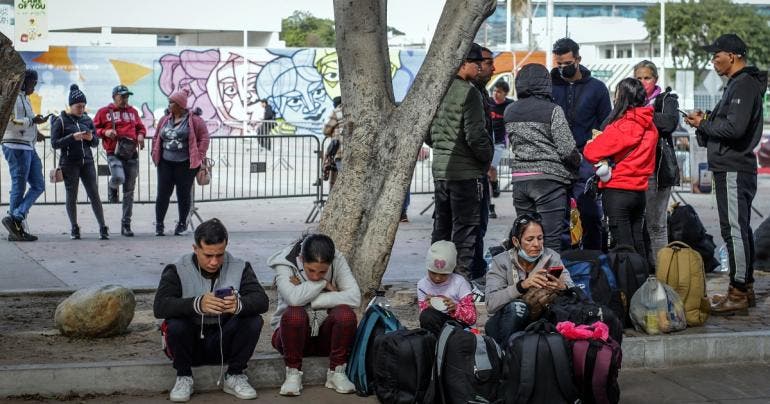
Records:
x=383, y=140
x=11, y=75
x=303, y=30
x=690, y=24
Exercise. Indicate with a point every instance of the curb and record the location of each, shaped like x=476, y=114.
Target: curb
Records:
x=267, y=370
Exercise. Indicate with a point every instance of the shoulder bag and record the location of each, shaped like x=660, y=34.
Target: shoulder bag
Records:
x=203, y=176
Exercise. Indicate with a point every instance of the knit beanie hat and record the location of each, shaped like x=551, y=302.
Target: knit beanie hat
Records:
x=180, y=97
x=76, y=96
x=442, y=257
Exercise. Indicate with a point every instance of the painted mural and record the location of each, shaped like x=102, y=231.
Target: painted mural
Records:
x=225, y=83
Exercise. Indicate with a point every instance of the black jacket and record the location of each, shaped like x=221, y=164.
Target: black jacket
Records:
x=734, y=128
x=586, y=103
x=666, y=117
x=170, y=304
x=73, y=152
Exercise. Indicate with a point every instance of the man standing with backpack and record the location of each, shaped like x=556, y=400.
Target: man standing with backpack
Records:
x=731, y=132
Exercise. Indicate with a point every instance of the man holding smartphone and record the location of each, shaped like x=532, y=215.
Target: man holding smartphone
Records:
x=211, y=304
x=731, y=133
x=23, y=162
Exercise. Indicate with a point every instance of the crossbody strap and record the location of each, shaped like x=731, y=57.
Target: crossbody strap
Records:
x=528, y=368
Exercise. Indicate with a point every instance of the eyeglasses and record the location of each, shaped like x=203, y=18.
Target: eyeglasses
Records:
x=526, y=218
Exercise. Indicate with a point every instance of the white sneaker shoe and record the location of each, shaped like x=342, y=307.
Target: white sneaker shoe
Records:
x=292, y=386
x=337, y=379
x=182, y=390
x=238, y=386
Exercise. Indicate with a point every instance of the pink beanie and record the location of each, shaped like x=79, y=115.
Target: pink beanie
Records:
x=180, y=97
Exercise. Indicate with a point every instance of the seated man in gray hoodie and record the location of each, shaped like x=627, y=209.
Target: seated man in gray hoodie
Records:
x=316, y=296
x=211, y=304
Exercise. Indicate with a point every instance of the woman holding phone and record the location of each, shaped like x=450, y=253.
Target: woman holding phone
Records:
x=73, y=134
x=527, y=264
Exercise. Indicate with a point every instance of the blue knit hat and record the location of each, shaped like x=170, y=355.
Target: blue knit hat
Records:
x=76, y=96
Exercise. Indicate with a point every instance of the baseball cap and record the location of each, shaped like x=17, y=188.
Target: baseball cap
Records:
x=122, y=90
x=730, y=43
x=442, y=257
x=474, y=54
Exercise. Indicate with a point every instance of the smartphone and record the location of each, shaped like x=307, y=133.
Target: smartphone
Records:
x=222, y=293
x=555, y=271
x=684, y=114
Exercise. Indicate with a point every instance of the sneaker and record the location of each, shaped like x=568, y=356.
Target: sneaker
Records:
x=159, y=230
x=182, y=390
x=338, y=381
x=125, y=230
x=24, y=236
x=104, y=233
x=13, y=226
x=404, y=218
x=181, y=227
x=238, y=386
x=75, y=233
x=292, y=386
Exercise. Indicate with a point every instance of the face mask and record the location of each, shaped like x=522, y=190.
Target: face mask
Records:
x=649, y=87
x=569, y=71
x=527, y=258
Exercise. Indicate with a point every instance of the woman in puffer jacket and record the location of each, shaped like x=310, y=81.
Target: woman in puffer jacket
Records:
x=627, y=145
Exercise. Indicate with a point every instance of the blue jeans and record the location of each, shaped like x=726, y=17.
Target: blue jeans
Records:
x=24, y=167
x=513, y=317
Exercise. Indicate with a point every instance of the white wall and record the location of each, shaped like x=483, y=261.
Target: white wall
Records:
x=89, y=39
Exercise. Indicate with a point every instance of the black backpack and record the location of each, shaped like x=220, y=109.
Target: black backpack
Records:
x=762, y=246
x=573, y=305
x=666, y=165
x=538, y=367
x=591, y=271
x=468, y=368
x=631, y=271
x=684, y=225
x=403, y=365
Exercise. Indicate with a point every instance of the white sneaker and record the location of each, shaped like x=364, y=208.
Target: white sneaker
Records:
x=182, y=390
x=238, y=385
x=337, y=379
x=292, y=386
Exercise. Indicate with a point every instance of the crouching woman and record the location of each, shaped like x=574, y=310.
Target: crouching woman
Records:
x=316, y=296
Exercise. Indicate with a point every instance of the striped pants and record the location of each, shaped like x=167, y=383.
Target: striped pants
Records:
x=735, y=192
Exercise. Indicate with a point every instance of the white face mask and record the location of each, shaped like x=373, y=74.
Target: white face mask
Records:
x=529, y=258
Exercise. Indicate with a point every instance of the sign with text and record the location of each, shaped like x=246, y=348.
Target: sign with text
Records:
x=31, y=25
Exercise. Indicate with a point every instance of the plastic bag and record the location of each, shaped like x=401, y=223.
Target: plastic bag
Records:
x=656, y=308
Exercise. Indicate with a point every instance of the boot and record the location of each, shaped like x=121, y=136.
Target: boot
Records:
x=492, y=213
x=751, y=297
x=75, y=232
x=495, y=188
x=104, y=233
x=159, y=228
x=112, y=195
x=736, y=302
x=125, y=229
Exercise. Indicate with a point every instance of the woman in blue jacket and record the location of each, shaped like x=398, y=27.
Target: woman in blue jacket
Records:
x=73, y=134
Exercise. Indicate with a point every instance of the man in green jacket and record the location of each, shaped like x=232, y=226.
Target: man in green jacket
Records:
x=462, y=151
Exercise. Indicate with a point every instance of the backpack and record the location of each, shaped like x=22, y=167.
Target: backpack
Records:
x=684, y=225
x=573, y=305
x=590, y=271
x=595, y=364
x=377, y=320
x=468, y=368
x=666, y=166
x=762, y=246
x=681, y=267
x=538, y=367
x=631, y=270
x=404, y=365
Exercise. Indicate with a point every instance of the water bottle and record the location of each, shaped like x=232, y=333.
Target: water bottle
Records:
x=379, y=300
x=724, y=259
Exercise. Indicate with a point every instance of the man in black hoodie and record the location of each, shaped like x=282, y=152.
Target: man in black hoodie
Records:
x=730, y=133
x=586, y=104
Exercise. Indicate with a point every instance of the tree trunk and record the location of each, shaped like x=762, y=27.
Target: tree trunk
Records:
x=382, y=140
x=11, y=77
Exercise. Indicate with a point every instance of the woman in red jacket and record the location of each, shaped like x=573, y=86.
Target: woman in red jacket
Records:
x=628, y=146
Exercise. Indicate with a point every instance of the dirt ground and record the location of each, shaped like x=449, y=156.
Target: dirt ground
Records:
x=28, y=334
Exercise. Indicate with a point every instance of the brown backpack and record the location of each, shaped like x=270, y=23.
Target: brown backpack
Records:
x=681, y=267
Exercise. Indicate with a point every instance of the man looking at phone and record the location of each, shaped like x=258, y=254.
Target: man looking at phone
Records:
x=731, y=133
x=23, y=162
x=211, y=304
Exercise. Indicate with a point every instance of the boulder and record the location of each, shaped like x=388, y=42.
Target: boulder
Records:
x=97, y=311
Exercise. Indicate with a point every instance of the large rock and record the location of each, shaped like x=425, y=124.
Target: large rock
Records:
x=98, y=311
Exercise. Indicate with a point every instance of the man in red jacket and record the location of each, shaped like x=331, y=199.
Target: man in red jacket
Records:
x=116, y=123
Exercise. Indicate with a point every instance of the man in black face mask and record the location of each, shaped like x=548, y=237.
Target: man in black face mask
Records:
x=586, y=103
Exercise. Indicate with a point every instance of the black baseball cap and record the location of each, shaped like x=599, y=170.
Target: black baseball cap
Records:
x=122, y=90
x=729, y=43
x=474, y=54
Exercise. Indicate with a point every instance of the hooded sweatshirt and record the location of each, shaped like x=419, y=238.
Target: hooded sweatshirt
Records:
x=586, y=103
x=311, y=294
x=733, y=130
x=126, y=121
x=540, y=137
x=629, y=142
x=24, y=133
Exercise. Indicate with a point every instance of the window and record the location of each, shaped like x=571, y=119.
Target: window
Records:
x=608, y=53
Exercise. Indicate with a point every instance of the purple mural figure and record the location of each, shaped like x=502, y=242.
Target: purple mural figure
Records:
x=191, y=70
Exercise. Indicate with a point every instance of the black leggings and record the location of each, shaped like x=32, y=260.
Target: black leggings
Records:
x=179, y=175
x=85, y=173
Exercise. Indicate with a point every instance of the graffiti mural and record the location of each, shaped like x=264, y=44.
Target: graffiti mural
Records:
x=224, y=83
